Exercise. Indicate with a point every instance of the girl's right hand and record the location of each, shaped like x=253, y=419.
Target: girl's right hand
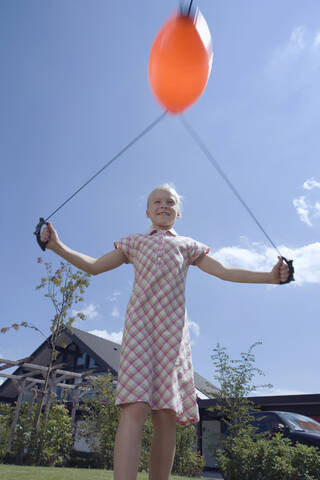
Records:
x=50, y=235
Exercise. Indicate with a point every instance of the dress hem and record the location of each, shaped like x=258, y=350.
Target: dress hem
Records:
x=190, y=421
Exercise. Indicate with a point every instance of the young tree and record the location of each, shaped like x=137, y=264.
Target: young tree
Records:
x=65, y=288
x=236, y=382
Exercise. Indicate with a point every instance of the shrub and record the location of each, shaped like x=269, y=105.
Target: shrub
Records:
x=6, y=417
x=56, y=440
x=244, y=458
x=187, y=461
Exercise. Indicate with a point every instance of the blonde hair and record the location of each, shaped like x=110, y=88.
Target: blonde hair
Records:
x=170, y=188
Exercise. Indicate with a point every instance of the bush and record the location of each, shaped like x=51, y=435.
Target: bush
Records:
x=6, y=417
x=56, y=440
x=243, y=454
x=187, y=462
x=244, y=458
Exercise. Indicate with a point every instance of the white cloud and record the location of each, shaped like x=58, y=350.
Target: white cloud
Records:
x=303, y=209
x=308, y=206
x=294, y=66
x=316, y=42
x=194, y=328
x=113, y=337
x=310, y=184
x=115, y=312
x=114, y=296
x=291, y=49
x=297, y=41
x=252, y=258
x=90, y=311
x=259, y=257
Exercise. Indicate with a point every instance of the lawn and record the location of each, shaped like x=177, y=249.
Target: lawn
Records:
x=12, y=472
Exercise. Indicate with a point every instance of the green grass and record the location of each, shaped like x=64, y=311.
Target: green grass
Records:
x=17, y=472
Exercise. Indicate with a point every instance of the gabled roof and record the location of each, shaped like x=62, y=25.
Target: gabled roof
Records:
x=204, y=386
x=105, y=353
x=103, y=350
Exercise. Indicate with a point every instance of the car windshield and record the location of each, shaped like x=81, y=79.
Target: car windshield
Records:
x=300, y=422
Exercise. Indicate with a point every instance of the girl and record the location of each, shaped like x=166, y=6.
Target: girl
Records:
x=156, y=372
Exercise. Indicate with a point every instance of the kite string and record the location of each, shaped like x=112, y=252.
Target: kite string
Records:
x=215, y=164
x=124, y=149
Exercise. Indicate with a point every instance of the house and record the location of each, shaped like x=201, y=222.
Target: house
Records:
x=80, y=351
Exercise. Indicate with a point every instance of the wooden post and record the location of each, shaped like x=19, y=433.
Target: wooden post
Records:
x=31, y=403
x=16, y=415
x=75, y=400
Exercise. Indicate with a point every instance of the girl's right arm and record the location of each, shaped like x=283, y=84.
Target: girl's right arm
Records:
x=88, y=264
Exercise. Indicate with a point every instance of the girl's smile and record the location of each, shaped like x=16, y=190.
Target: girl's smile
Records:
x=162, y=208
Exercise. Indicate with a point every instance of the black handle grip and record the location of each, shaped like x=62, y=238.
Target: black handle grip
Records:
x=37, y=232
x=291, y=271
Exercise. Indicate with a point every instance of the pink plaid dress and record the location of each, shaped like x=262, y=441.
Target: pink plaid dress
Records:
x=155, y=361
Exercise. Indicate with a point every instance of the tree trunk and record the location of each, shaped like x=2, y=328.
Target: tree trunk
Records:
x=41, y=397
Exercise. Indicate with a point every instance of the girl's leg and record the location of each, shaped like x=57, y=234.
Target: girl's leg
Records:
x=127, y=448
x=163, y=444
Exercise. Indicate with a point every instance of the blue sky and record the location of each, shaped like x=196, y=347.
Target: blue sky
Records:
x=74, y=90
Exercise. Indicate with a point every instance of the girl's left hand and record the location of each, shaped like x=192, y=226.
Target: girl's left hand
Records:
x=280, y=272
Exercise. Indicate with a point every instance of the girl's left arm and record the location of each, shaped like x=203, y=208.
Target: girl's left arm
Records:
x=279, y=273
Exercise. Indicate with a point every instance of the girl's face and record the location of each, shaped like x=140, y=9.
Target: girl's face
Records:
x=163, y=209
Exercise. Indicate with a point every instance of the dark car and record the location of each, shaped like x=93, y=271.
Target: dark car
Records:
x=292, y=425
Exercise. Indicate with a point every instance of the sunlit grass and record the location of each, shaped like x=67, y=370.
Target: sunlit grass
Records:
x=17, y=472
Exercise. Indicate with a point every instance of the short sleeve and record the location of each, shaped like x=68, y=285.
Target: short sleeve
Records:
x=197, y=250
x=128, y=246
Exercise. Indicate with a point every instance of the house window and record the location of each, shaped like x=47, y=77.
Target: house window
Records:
x=92, y=363
x=85, y=361
x=81, y=360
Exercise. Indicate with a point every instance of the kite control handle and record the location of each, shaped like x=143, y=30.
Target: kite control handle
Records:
x=37, y=232
x=291, y=271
